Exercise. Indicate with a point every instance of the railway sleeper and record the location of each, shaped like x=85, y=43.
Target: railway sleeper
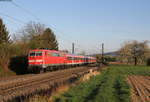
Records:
x=40, y=88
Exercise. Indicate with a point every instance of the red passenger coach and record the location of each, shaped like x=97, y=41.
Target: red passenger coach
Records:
x=44, y=59
x=74, y=60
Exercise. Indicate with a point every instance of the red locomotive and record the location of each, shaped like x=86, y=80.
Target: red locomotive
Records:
x=43, y=59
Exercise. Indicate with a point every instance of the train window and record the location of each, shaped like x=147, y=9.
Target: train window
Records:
x=74, y=58
x=49, y=54
x=32, y=54
x=70, y=58
x=38, y=53
x=55, y=54
x=35, y=54
x=61, y=55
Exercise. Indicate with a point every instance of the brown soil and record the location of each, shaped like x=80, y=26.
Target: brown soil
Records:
x=140, y=88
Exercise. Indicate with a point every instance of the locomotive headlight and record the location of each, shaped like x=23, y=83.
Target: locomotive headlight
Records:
x=35, y=60
x=31, y=61
x=38, y=60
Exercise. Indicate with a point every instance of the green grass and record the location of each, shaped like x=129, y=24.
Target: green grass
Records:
x=110, y=86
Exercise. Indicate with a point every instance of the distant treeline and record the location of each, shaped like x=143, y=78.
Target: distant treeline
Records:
x=132, y=52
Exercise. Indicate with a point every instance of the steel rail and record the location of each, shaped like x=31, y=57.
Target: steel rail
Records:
x=37, y=82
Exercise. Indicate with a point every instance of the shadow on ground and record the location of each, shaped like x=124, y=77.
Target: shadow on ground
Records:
x=19, y=64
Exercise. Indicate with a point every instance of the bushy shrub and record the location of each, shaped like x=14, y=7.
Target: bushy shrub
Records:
x=13, y=57
x=148, y=62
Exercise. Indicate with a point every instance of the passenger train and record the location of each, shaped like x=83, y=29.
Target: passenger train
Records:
x=41, y=60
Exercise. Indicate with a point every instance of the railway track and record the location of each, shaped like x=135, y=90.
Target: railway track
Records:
x=26, y=85
x=141, y=88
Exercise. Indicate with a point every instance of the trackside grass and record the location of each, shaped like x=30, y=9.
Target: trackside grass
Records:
x=110, y=86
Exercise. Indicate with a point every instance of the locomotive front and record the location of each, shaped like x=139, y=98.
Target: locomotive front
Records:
x=35, y=60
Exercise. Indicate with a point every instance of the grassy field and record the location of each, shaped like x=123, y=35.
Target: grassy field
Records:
x=110, y=86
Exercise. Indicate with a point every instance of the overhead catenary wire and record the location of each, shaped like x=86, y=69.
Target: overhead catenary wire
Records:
x=29, y=13
x=35, y=16
x=38, y=19
x=21, y=22
x=8, y=16
x=12, y=21
x=25, y=10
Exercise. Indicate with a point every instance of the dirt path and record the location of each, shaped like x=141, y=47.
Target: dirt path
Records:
x=140, y=88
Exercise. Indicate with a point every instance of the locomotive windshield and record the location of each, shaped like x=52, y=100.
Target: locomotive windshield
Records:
x=35, y=53
x=32, y=54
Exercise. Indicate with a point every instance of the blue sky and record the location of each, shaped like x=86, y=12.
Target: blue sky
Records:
x=87, y=23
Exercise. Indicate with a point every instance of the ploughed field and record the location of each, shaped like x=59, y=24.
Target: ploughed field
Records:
x=25, y=85
x=140, y=88
x=115, y=84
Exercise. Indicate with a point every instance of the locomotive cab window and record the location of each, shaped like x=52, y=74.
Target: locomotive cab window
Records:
x=38, y=53
x=35, y=54
x=32, y=54
x=56, y=54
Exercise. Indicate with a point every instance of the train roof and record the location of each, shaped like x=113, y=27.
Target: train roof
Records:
x=46, y=50
x=67, y=54
x=73, y=55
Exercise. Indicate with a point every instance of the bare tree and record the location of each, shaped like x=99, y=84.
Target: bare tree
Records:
x=134, y=52
x=30, y=30
x=28, y=36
